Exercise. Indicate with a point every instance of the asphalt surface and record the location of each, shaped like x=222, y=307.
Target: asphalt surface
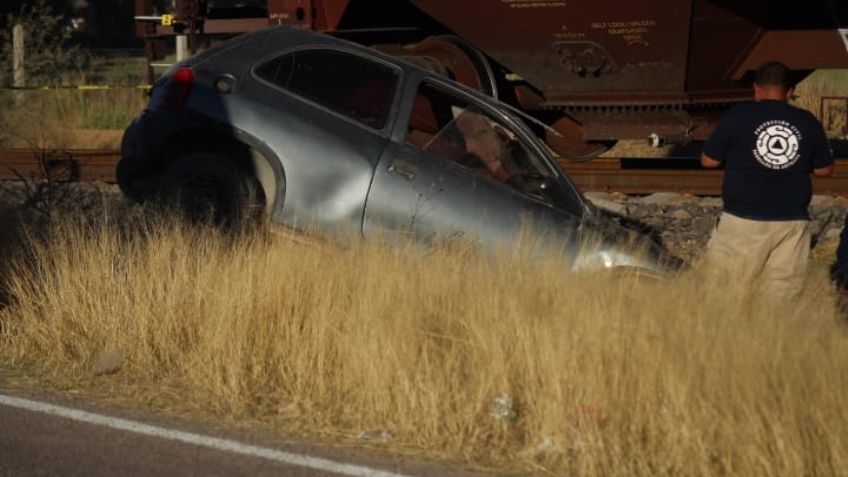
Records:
x=52, y=435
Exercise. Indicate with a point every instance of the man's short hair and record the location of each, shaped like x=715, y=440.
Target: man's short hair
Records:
x=774, y=73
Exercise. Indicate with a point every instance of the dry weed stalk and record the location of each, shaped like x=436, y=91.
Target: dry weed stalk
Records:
x=603, y=374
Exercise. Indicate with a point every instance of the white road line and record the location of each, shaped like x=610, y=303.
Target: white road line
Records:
x=195, y=439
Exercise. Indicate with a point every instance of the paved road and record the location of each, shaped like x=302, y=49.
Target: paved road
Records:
x=47, y=435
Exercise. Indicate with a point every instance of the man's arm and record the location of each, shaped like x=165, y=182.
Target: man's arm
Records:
x=717, y=147
x=709, y=162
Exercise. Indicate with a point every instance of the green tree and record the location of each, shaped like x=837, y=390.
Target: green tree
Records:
x=50, y=58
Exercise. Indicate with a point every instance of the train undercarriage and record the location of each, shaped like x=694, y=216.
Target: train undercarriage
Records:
x=597, y=72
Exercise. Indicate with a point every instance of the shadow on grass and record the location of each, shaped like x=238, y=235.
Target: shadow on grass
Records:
x=29, y=221
x=30, y=216
x=11, y=247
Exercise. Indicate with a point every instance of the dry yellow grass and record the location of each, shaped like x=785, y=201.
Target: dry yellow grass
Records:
x=608, y=375
x=68, y=118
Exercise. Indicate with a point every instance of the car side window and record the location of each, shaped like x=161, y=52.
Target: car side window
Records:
x=450, y=127
x=348, y=84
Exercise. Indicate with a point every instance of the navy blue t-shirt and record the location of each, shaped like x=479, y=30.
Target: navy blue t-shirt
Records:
x=769, y=149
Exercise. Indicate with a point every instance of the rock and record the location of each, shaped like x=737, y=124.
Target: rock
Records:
x=832, y=234
x=109, y=362
x=683, y=223
x=688, y=199
x=660, y=198
x=619, y=197
x=704, y=224
x=656, y=221
x=503, y=409
x=637, y=213
x=681, y=214
x=374, y=436
x=840, y=201
x=821, y=201
x=710, y=202
x=543, y=447
x=608, y=205
x=671, y=198
x=821, y=213
x=595, y=195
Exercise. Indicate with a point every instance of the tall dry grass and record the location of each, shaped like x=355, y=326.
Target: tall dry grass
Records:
x=67, y=118
x=607, y=375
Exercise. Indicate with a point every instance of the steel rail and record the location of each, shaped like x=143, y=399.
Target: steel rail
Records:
x=60, y=165
x=624, y=175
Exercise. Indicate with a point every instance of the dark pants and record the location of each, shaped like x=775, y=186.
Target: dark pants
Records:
x=839, y=269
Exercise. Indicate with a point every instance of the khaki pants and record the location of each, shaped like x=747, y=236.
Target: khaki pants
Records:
x=774, y=251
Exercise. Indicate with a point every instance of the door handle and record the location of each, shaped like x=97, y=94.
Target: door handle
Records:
x=403, y=169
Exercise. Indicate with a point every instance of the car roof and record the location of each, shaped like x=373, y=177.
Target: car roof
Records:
x=296, y=38
x=299, y=38
x=292, y=38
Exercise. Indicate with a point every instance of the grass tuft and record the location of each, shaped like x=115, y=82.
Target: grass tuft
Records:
x=502, y=361
x=66, y=118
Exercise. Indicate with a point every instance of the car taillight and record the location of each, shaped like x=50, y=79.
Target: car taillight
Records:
x=174, y=92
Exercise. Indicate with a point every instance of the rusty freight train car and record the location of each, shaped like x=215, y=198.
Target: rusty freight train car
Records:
x=597, y=71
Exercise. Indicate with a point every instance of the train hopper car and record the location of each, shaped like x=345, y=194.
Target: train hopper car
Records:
x=597, y=71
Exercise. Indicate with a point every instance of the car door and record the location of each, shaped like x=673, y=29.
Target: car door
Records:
x=326, y=112
x=460, y=170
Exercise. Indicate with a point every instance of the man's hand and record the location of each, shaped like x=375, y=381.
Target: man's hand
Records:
x=709, y=162
x=823, y=171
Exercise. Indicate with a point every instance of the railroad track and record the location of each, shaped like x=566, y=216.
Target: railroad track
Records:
x=649, y=175
x=60, y=165
x=625, y=175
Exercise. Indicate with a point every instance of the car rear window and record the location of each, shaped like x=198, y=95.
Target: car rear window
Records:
x=348, y=84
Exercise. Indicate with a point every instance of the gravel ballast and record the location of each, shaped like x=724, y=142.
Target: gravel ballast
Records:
x=684, y=222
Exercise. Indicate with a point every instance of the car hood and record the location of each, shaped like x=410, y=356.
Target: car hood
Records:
x=616, y=242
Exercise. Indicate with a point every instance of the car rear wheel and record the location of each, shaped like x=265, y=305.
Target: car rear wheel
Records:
x=207, y=188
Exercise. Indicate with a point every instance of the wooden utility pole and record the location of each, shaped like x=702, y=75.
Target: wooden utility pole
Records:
x=18, y=56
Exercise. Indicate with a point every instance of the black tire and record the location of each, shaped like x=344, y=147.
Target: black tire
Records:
x=207, y=188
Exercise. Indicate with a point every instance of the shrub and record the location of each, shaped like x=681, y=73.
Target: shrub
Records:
x=50, y=56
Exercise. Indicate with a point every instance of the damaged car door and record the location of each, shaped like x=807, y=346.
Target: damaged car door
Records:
x=328, y=113
x=457, y=168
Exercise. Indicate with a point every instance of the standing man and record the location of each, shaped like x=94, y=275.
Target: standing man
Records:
x=769, y=149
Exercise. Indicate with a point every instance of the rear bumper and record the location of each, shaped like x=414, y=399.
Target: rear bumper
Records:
x=133, y=157
x=143, y=148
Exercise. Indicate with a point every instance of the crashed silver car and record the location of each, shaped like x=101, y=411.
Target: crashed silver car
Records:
x=322, y=134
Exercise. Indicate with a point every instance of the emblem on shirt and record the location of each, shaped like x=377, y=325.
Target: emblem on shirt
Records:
x=778, y=144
